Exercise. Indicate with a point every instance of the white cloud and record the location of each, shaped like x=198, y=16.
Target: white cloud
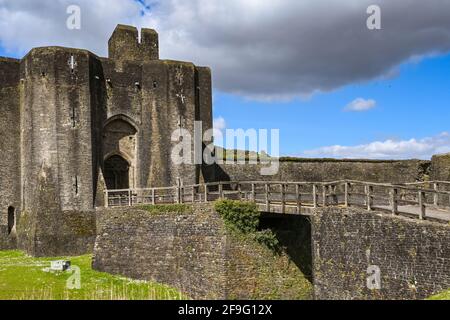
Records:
x=390, y=149
x=26, y=24
x=282, y=49
x=220, y=124
x=360, y=104
x=261, y=49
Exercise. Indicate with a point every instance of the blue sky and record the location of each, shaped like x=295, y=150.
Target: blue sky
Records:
x=310, y=68
x=414, y=104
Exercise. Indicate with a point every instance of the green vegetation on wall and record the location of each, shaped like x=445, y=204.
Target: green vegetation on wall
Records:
x=244, y=218
x=269, y=272
x=168, y=209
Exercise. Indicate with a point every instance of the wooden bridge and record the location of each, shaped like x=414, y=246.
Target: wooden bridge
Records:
x=422, y=200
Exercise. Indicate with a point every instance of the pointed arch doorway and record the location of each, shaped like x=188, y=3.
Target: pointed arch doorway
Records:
x=119, y=153
x=117, y=173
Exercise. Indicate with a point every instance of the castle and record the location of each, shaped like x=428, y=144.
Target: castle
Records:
x=74, y=123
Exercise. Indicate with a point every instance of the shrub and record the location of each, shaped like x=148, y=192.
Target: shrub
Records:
x=243, y=217
x=268, y=238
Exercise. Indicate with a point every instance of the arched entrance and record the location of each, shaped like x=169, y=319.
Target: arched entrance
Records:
x=117, y=173
x=11, y=219
x=119, y=151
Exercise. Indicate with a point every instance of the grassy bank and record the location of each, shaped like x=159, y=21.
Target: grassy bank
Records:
x=442, y=296
x=24, y=278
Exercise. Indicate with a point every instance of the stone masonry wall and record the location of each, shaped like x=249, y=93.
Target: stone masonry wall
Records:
x=413, y=256
x=185, y=251
x=64, y=112
x=10, y=146
x=440, y=171
x=440, y=167
x=194, y=253
x=45, y=231
x=318, y=170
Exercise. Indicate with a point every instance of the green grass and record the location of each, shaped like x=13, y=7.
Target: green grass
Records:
x=442, y=296
x=23, y=278
x=162, y=209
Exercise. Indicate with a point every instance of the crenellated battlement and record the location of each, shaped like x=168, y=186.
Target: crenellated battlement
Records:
x=124, y=44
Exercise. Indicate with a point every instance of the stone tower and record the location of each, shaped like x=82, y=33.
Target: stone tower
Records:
x=73, y=122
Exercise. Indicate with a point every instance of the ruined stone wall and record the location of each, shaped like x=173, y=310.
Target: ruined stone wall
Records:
x=194, y=253
x=45, y=231
x=204, y=114
x=318, y=170
x=126, y=45
x=57, y=145
x=440, y=167
x=72, y=110
x=158, y=97
x=413, y=256
x=173, y=110
x=9, y=145
x=440, y=171
x=57, y=126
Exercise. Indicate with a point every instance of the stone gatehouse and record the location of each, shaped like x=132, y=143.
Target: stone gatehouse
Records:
x=74, y=123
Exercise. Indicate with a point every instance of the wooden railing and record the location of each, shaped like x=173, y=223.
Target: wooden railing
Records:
x=281, y=197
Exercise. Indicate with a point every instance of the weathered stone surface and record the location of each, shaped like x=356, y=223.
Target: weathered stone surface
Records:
x=10, y=146
x=46, y=231
x=195, y=254
x=413, y=255
x=70, y=111
x=440, y=171
x=440, y=167
x=319, y=170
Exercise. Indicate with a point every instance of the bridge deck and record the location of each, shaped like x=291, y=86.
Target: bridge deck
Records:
x=434, y=214
x=430, y=200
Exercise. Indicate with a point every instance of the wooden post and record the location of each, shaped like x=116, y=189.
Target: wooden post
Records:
x=253, y=192
x=334, y=195
x=267, y=198
x=346, y=195
x=221, y=190
x=436, y=195
x=193, y=194
x=181, y=190
x=324, y=195
x=130, y=200
x=283, y=198
x=298, y=197
x=369, y=191
x=206, y=193
x=315, y=196
x=422, y=212
x=106, y=199
x=394, y=201
x=239, y=187
x=153, y=197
